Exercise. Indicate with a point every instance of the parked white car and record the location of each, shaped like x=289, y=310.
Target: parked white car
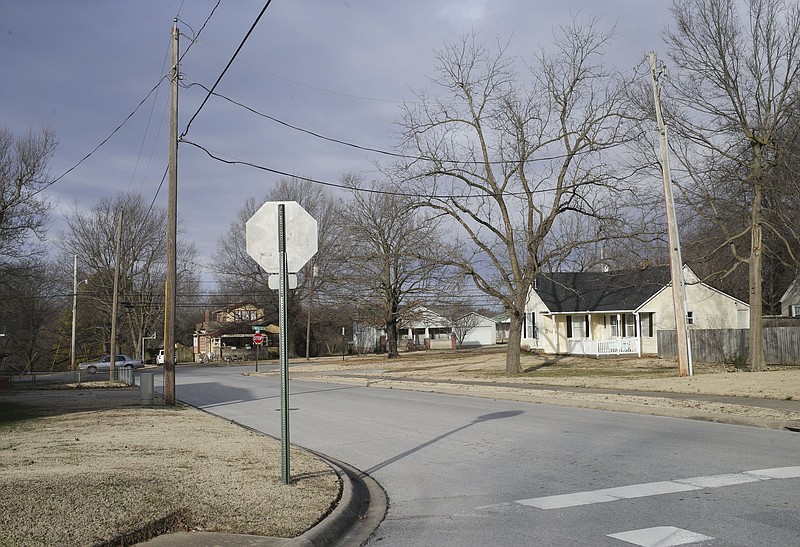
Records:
x=104, y=363
x=160, y=357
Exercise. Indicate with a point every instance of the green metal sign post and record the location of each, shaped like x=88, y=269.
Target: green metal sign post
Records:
x=282, y=348
x=301, y=235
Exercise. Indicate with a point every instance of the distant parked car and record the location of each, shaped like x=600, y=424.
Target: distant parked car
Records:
x=160, y=357
x=104, y=363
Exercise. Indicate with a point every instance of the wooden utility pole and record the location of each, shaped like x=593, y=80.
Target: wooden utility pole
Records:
x=675, y=260
x=170, y=299
x=113, y=345
x=74, y=311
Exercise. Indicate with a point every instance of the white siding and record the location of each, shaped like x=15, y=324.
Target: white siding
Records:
x=482, y=334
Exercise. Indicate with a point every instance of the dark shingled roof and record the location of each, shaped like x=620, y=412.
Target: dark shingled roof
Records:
x=600, y=291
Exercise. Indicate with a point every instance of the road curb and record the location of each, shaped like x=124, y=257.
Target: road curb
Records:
x=361, y=508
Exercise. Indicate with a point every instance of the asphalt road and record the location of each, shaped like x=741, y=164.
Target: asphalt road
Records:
x=474, y=472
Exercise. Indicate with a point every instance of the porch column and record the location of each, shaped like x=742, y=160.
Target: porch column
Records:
x=638, y=327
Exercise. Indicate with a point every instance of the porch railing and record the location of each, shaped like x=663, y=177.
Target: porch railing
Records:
x=615, y=346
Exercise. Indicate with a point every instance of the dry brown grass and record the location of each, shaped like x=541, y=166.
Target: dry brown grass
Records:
x=488, y=365
x=83, y=468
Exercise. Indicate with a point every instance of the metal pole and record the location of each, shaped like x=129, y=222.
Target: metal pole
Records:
x=675, y=260
x=313, y=270
x=282, y=347
x=170, y=301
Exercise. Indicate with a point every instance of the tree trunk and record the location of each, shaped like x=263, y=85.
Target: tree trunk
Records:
x=391, y=340
x=756, y=332
x=514, y=341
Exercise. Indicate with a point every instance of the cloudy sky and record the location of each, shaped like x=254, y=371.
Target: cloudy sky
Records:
x=339, y=68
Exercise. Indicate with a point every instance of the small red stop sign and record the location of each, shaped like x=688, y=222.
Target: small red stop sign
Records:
x=258, y=338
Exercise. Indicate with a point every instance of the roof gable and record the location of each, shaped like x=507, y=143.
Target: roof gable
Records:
x=789, y=290
x=600, y=291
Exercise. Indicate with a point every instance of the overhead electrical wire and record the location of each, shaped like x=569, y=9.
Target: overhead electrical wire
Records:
x=358, y=189
x=96, y=148
x=222, y=74
x=373, y=149
x=300, y=129
x=147, y=130
x=192, y=41
x=196, y=35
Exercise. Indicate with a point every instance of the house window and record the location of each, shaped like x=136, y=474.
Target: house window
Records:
x=245, y=315
x=530, y=325
x=577, y=326
x=630, y=325
x=794, y=310
x=614, y=326
x=690, y=318
x=646, y=324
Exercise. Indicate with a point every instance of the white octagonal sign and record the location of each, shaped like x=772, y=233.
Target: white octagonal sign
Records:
x=261, y=233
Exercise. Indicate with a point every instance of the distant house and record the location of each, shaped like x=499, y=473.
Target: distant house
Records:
x=790, y=301
x=606, y=313
x=502, y=326
x=418, y=324
x=230, y=333
x=418, y=328
x=475, y=330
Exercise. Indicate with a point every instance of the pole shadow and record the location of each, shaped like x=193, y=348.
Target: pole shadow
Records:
x=480, y=419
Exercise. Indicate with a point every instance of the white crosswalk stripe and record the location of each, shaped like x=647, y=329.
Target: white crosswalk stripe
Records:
x=661, y=536
x=658, y=488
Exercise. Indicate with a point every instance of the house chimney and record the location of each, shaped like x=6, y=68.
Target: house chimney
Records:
x=206, y=315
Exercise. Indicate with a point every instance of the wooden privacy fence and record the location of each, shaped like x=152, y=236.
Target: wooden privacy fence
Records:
x=781, y=345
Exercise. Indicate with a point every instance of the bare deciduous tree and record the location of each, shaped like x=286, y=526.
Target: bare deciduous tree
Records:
x=462, y=322
x=23, y=176
x=393, y=255
x=29, y=317
x=509, y=162
x=238, y=274
x=91, y=235
x=732, y=105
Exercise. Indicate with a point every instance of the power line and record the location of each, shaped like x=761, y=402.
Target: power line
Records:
x=196, y=35
x=147, y=130
x=306, y=131
x=238, y=49
x=96, y=148
x=378, y=150
x=367, y=190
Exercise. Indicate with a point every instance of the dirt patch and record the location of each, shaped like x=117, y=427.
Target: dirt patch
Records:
x=89, y=467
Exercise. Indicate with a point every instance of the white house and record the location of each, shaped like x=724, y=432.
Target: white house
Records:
x=418, y=328
x=422, y=327
x=476, y=330
x=602, y=313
